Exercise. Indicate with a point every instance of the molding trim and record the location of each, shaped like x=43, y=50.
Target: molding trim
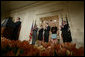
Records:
x=50, y=12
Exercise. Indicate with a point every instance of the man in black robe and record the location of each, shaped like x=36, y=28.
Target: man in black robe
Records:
x=17, y=28
x=7, y=28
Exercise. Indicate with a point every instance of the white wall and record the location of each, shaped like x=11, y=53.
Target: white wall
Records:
x=75, y=13
x=76, y=16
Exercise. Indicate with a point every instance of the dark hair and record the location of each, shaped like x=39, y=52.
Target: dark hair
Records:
x=18, y=18
x=47, y=23
x=10, y=17
x=42, y=20
x=50, y=20
x=41, y=25
x=64, y=21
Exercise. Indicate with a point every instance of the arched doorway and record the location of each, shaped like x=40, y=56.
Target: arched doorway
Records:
x=52, y=21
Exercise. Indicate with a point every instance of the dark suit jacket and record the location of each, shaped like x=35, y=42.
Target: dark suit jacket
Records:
x=17, y=29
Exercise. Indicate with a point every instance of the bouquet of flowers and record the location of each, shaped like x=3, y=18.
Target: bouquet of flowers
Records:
x=23, y=48
x=17, y=48
x=68, y=49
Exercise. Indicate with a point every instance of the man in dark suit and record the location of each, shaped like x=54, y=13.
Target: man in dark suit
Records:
x=46, y=34
x=35, y=29
x=17, y=28
x=65, y=32
x=40, y=35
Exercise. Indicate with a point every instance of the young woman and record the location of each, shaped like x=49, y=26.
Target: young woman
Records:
x=54, y=31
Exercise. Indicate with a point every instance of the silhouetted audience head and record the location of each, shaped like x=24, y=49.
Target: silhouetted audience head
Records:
x=9, y=17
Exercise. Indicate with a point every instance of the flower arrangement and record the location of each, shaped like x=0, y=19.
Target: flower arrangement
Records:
x=23, y=48
x=69, y=49
x=17, y=48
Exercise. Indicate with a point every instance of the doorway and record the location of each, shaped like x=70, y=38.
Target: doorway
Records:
x=52, y=21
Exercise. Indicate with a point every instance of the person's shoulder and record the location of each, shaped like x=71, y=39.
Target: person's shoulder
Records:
x=52, y=27
x=48, y=27
x=55, y=27
x=19, y=22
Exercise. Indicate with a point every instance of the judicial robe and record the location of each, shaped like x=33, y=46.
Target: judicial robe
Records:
x=17, y=30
